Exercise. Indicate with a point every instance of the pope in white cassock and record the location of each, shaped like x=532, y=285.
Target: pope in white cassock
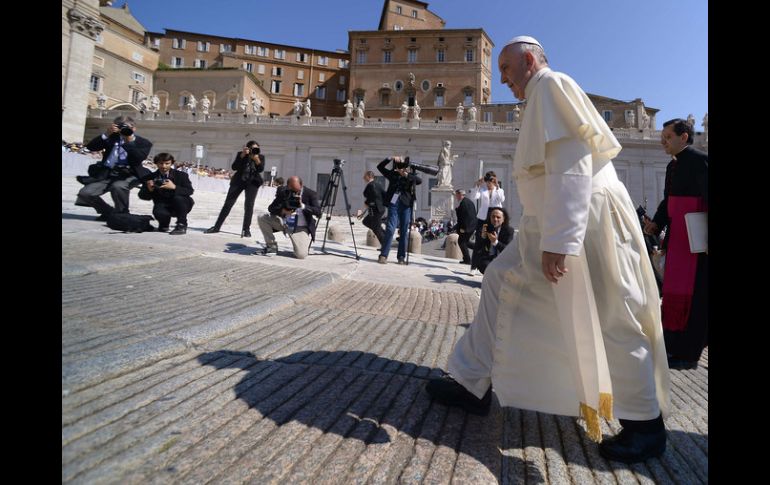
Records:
x=569, y=319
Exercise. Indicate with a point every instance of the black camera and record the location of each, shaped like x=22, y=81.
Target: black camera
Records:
x=125, y=129
x=338, y=162
x=406, y=163
x=255, y=150
x=488, y=178
x=293, y=201
x=158, y=181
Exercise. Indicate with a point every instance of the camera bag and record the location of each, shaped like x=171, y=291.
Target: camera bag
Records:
x=123, y=221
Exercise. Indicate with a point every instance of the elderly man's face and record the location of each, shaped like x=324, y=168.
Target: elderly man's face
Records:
x=514, y=71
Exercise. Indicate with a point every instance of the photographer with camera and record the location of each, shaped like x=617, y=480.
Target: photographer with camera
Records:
x=400, y=197
x=489, y=194
x=248, y=165
x=292, y=212
x=118, y=171
x=373, y=198
x=170, y=190
x=496, y=234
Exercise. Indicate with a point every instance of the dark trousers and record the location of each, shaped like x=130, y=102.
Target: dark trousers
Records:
x=373, y=221
x=91, y=194
x=232, y=195
x=399, y=215
x=462, y=241
x=477, y=232
x=178, y=206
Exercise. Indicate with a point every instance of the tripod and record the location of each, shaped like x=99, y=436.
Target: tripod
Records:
x=412, y=220
x=330, y=198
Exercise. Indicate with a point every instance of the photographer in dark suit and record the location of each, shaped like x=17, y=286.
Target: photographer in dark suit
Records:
x=373, y=195
x=170, y=190
x=119, y=169
x=399, y=199
x=292, y=212
x=466, y=223
x=248, y=165
x=496, y=234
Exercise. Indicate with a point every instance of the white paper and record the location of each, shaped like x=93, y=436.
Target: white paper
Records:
x=697, y=231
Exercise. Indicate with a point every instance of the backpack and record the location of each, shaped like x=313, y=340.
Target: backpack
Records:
x=123, y=221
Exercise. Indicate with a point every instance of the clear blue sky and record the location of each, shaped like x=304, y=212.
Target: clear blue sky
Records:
x=656, y=50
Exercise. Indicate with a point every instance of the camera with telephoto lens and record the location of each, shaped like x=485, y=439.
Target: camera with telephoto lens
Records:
x=406, y=163
x=125, y=129
x=293, y=202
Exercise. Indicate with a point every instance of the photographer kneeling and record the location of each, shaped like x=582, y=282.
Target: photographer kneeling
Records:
x=399, y=198
x=292, y=212
x=170, y=190
x=496, y=233
x=119, y=169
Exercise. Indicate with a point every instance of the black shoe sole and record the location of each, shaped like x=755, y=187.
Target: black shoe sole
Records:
x=466, y=406
x=632, y=459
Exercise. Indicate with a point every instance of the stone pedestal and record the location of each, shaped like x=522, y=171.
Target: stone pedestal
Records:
x=415, y=242
x=452, y=249
x=442, y=203
x=371, y=239
x=336, y=233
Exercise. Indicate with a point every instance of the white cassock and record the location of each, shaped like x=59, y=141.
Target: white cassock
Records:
x=593, y=343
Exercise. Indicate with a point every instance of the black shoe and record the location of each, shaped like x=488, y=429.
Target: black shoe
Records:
x=450, y=392
x=630, y=446
x=268, y=250
x=462, y=261
x=401, y=261
x=102, y=217
x=163, y=229
x=245, y=233
x=678, y=364
x=179, y=229
x=211, y=230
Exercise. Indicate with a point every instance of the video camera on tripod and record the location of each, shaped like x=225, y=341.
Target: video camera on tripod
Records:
x=406, y=163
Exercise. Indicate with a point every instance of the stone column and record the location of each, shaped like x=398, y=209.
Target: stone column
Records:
x=83, y=31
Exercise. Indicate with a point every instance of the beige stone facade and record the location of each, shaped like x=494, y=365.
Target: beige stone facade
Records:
x=408, y=15
x=80, y=29
x=225, y=88
x=450, y=66
x=122, y=66
x=614, y=111
x=287, y=73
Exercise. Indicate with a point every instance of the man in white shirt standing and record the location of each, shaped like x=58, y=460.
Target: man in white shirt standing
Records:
x=569, y=318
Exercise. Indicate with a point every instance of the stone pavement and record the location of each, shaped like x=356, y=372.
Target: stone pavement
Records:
x=189, y=359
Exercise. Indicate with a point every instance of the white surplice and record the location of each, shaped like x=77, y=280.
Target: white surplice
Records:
x=593, y=343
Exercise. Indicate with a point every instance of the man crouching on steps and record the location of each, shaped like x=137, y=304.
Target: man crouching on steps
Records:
x=292, y=212
x=170, y=190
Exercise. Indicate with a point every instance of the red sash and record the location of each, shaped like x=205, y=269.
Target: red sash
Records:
x=681, y=264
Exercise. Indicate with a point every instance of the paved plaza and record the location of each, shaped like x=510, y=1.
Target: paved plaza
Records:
x=191, y=359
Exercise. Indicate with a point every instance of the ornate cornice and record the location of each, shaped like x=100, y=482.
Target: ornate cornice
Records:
x=84, y=24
